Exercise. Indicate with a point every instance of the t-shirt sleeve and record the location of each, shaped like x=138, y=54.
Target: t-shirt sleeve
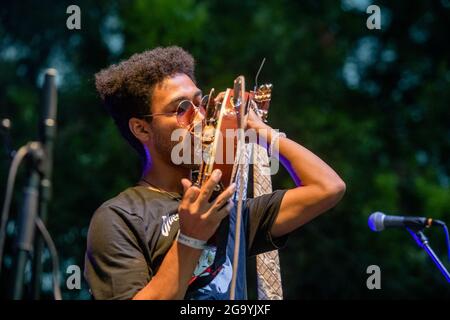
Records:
x=262, y=212
x=115, y=266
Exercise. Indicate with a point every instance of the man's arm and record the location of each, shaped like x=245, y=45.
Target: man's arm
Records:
x=117, y=269
x=171, y=281
x=321, y=187
x=199, y=219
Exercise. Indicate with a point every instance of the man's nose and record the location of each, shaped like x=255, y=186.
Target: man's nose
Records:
x=198, y=116
x=197, y=120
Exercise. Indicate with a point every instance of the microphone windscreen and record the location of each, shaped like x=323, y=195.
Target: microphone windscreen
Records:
x=376, y=221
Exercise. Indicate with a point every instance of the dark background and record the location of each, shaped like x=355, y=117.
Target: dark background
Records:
x=374, y=104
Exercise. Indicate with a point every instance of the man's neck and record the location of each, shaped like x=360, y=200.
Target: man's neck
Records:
x=166, y=177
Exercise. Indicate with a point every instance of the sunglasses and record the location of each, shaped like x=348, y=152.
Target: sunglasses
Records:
x=186, y=112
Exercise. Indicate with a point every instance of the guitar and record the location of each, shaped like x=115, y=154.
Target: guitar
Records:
x=222, y=134
x=224, y=124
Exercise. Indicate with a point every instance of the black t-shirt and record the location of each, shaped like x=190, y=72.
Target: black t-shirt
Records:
x=130, y=234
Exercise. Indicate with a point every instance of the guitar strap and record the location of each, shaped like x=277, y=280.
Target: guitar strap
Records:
x=268, y=263
x=268, y=277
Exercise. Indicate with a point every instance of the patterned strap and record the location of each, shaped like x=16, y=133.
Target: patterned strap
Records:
x=268, y=263
x=240, y=172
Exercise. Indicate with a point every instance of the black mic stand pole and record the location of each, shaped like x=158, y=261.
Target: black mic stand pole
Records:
x=47, y=132
x=422, y=241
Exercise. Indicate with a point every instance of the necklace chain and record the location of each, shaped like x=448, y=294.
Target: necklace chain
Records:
x=156, y=188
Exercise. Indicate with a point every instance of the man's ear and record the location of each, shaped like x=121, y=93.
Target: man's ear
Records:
x=140, y=129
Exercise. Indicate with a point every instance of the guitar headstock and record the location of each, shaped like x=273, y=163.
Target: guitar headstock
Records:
x=262, y=97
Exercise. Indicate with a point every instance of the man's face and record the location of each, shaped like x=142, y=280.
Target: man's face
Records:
x=166, y=97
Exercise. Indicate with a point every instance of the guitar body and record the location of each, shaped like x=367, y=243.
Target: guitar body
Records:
x=228, y=122
x=222, y=133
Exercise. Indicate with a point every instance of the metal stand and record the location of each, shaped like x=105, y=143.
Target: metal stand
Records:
x=37, y=196
x=26, y=222
x=423, y=242
x=47, y=133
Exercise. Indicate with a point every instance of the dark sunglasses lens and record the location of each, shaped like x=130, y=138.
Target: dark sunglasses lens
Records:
x=185, y=112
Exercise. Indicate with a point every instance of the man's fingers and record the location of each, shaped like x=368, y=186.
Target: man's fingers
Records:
x=223, y=212
x=208, y=188
x=225, y=195
x=190, y=192
x=186, y=183
x=222, y=200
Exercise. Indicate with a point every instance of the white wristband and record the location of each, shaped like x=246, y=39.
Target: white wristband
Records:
x=191, y=242
x=274, y=141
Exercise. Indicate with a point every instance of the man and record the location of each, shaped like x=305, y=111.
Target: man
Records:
x=151, y=241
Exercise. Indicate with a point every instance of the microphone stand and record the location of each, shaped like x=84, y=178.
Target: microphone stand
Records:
x=47, y=132
x=422, y=241
x=26, y=221
x=37, y=196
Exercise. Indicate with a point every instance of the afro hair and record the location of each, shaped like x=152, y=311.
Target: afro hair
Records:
x=126, y=88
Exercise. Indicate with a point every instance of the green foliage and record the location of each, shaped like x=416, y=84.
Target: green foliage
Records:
x=371, y=103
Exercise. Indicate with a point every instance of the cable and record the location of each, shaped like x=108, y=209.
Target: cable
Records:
x=448, y=240
x=54, y=256
x=18, y=157
x=17, y=160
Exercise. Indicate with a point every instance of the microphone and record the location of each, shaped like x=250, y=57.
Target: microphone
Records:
x=378, y=221
x=49, y=108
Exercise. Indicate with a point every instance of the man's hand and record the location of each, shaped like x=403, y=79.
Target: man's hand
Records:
x=200, y=218
x=253, y=121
